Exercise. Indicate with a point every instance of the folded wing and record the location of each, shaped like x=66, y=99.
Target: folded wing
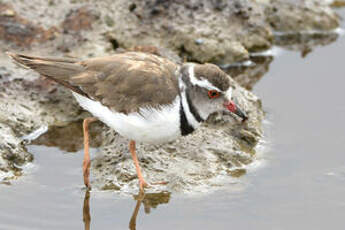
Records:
x=123, y=82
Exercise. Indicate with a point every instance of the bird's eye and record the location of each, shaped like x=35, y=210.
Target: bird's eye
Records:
x=213, y=94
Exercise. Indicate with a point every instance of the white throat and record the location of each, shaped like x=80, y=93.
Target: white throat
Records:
x=189, y=116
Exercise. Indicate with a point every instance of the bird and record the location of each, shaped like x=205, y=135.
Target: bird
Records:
x=143, y=97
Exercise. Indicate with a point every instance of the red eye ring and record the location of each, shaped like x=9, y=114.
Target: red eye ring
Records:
x=213, y=94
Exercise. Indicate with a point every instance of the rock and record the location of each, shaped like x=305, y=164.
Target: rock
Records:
x=15, y=29
x=176, y=25
x=20, y=31
x=166, y=53
x=109, y=21
x=13, y=154
x=302, y=25
x=290, y=16
x=79, y=19
x=296, y=25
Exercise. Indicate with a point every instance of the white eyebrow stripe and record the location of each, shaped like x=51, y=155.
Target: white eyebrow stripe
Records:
x=228, y=93
x=204, y=83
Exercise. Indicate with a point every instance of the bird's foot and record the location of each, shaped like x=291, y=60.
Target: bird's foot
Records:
x=88, y=187
x=160, y=182
x=87, y=184
x=143, y=184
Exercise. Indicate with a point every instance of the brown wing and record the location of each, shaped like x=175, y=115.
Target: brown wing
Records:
x=124, y=82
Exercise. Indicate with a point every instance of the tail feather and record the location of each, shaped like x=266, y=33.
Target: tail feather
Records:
x=56, y=68
x=60, y=70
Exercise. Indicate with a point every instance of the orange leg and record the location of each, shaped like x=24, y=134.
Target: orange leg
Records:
x=87, y=161
x=142, y=182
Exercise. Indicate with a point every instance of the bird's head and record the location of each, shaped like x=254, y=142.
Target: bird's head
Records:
x=208, y=89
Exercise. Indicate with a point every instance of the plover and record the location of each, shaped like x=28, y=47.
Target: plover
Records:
x=143, y=97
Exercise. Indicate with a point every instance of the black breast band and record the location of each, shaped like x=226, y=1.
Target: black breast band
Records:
x=185, y=127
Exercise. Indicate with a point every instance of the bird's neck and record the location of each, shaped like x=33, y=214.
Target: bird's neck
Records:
x=189, y=116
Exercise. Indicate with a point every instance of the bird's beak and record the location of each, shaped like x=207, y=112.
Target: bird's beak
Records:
x=232, y=107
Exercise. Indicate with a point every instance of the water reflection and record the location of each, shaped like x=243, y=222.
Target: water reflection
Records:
x=149, y=200
x=133, y=221
x=69, y=137
x=86, y=210
x=248, y=75
x=305, y=41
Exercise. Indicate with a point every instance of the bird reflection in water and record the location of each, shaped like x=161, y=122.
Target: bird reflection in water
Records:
x=149, y=200
x=86, y=210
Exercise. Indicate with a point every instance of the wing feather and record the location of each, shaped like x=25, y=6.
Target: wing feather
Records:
x=123, y=82
x=126, y=82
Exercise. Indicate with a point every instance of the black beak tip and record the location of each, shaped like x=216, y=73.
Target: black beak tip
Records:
x=242, y=115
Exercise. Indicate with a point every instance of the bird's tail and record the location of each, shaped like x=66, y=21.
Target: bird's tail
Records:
x=59, y=69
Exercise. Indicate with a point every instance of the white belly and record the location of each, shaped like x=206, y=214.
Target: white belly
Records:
x=151, y=125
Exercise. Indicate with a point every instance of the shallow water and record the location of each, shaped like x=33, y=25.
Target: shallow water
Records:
x=301, y=185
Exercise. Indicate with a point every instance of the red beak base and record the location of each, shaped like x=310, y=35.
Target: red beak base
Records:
x=232, y=107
